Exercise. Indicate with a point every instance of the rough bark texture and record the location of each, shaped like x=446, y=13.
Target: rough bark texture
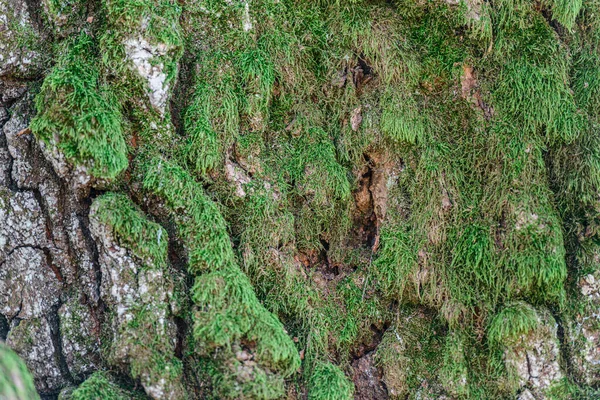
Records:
x=300, y=199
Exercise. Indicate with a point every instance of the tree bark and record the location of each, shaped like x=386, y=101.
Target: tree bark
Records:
x=282, y=199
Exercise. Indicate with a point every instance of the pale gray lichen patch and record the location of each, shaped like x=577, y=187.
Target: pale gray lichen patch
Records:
x=28, y=286
x=526, y=395
x=146, y=60
x=85, y=260
x=31, y=173
x=78, y=175
x=18, y=145
x=5, y=159
x=23, y=222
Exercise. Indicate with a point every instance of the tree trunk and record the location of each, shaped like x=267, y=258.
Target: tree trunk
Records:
x=300, y=199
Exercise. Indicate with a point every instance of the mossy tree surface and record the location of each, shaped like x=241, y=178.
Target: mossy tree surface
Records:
x=412, y=181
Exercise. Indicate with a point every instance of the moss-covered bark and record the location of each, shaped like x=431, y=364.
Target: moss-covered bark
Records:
x=302, y=199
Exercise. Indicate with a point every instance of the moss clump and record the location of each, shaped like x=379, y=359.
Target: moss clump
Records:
x=565, y=11
x=411, y=352
x=212, y=118
x=323, y=182
x=141, y=335
x=15, y=380
x=78, y=113
x=512, y=322
x=228, y=316
x=455, y=370
x=400, y=119
x=268, y=254
x=328, y=382
x=101, y=386
x=568, y=390
x=533, y=89
x=146, y=239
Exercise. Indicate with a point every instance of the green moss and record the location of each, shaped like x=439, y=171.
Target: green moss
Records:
x=533, y=89
x=156, y=22
x=410, y=352
x=569, y=390
x=149, y=352
x=152, y=358
x=228, y=313
x=537, y=97
x=495, y=203
x=212, y=118
x=510, y=324
x=141, y=44
x=455, y=370
x=132, y=229
x=475, y=279
x=101, y=386
x=401, y=120
x=77, y=112
x=328, y=382
x=397, y=259
x=586, y=80
x=15, y=380
x=268, y=252
x=565, y=11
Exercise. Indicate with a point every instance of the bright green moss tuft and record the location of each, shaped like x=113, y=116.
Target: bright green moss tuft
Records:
x=537, y=98
x=78, y=113
x=212, y=118
x=401, y=120
x=475, y=277
x=199, y=222
x=586, y=80
x=511, y=323
x=146, y=239
x=101, y=386
x=328, y=382
x=397, y=260
x=455, y=369
x=15, y=380
x=322, y=180
x=565, y=11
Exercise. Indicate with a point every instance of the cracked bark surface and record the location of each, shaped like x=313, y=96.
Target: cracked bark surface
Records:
x=46, y=263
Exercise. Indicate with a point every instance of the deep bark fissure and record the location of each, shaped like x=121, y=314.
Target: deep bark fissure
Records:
x=4, y=327
x=53, y=320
